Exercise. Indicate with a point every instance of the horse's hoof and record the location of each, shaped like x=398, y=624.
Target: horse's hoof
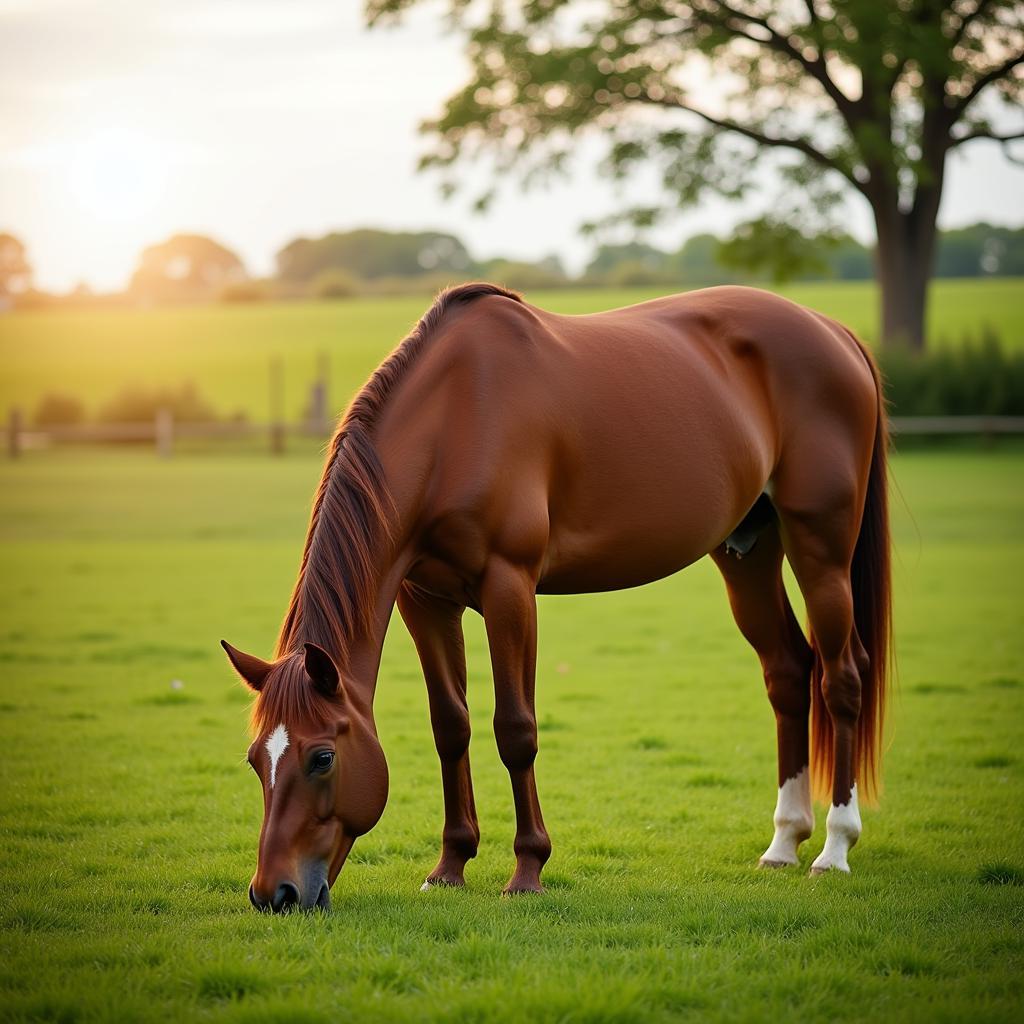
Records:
x=521, y=888
x=824, y=869
x=442, y=882
x=764, y=862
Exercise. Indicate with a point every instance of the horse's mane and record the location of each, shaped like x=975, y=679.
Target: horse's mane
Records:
x=353, y=509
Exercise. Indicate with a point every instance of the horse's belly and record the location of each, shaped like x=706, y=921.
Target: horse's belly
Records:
x=592, y=567
x=641, y=535
x=630, y=514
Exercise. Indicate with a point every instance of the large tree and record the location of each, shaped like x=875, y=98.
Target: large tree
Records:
x=865, y=95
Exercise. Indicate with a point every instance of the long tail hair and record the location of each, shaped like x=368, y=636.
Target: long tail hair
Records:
x=870, y=577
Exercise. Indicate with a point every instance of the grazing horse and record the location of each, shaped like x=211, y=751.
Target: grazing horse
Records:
x=503, y=451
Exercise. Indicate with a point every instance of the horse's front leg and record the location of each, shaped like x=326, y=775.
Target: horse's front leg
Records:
x=510, y=614
x=436, y=629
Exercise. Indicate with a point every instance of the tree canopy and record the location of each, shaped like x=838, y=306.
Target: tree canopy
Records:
x=370, y=254
x=861, y=96
x=185, y=267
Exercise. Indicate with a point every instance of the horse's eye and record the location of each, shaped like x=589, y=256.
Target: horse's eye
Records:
x=322, y=761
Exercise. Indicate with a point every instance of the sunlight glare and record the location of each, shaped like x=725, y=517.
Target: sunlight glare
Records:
x=117, y=176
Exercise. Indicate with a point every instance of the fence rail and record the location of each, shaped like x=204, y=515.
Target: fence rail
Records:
x=162, y=431
x=948, y=426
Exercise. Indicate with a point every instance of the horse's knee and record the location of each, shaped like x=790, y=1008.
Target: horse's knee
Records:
x=451, y=733
x=516, y=734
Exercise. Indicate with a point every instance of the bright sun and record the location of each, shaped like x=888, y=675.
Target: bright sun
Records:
x=117, y=176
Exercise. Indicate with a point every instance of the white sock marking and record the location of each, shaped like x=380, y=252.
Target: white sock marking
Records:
x=843, y=823
x=794, y=820
x=277, y=744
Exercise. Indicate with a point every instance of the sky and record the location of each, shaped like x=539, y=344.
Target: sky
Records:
x=257, y=121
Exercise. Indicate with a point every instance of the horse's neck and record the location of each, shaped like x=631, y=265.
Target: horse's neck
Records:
x=361, y=660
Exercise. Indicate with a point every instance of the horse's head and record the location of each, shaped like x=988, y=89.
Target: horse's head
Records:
x=324, y=777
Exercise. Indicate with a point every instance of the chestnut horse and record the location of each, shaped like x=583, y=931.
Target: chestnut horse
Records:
x=503, y=451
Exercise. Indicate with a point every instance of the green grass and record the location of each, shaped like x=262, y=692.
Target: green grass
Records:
x=129, y=821
x=226, y=350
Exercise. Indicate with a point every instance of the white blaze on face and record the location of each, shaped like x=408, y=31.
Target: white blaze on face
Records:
x=277, y=744
x=843, y=824
x=794, y=821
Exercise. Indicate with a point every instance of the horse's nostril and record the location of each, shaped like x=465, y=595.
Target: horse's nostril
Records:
x=323, y=900
x=255, y=900
x=286, y=897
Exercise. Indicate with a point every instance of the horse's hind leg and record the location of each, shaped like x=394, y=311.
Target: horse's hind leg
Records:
x=436, y=629
x=765, y=618
x=820, y=513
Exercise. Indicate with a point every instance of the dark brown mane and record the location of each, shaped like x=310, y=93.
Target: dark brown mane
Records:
x=352, y=510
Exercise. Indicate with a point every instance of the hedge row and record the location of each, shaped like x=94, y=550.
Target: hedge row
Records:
x=978, y=376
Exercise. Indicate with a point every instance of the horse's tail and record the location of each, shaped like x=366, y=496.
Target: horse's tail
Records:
x=870, y=578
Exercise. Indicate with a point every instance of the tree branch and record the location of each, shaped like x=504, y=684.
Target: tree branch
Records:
x=984, y=133
x=761, y=138
x=780, y=43
x=990, y=76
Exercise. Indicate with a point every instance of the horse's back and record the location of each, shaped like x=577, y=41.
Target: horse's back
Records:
x=731, y=326
x=676, y=414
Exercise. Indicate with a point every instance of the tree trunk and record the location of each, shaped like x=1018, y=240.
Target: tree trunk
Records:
x=905, y=257
x=903, y=269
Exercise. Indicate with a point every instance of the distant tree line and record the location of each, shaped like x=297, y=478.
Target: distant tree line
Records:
x=369, y=260
x=980, y=250
x=355, y=262
x=193, y=268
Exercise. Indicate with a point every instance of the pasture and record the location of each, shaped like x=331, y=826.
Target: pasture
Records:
x=225, y=350
x=130, y=820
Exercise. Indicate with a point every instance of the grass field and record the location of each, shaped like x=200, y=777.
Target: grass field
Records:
x=129, y=820
x=225, y=350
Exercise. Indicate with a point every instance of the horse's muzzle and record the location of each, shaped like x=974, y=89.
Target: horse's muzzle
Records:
x=315, y=895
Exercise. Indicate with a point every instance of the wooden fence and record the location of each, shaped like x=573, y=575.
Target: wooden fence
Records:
x=162, y=431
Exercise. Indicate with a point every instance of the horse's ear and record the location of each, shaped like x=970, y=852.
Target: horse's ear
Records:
x=322, y=671
x=253, y=670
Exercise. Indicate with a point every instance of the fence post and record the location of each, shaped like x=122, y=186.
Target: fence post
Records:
x=276, y=406
x=164, y=433
x=14, y=428
x=987, y=431
x=319, y=418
